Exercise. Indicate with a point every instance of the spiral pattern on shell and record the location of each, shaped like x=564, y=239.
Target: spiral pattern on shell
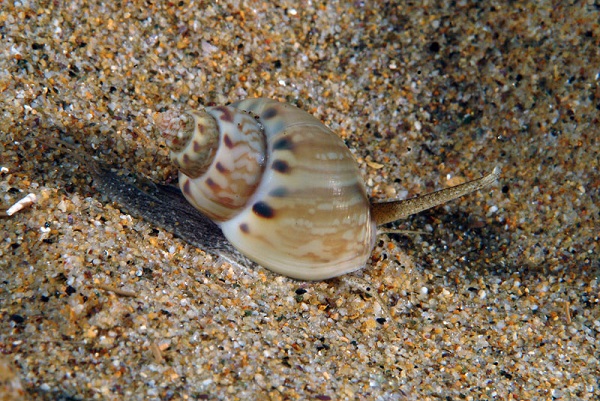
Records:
x=284, y=188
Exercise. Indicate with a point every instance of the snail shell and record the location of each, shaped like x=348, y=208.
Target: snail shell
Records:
x=283, y=188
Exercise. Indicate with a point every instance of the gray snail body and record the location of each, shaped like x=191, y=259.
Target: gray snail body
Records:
x=284, y=189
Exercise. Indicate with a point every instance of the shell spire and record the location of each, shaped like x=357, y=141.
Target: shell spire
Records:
x=220, y=153
x=192, y=138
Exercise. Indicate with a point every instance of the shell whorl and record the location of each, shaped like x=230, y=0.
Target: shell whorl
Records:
x=192, y=138
x=220, y=153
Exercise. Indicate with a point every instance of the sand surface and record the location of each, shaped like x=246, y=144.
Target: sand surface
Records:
x=498, y=300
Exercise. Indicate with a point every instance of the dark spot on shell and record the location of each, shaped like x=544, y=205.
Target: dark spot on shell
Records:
x=226, y=114
x=227, y=141
x=197, y=146
x=283, y=144
x=278, y=192
x=211, y=183
x=186, y=187
x=244, y=228
x=270, y=113
x=186, y=159
x=220, y=168
x=201, y=128
x=262, y=209
x=281, y=166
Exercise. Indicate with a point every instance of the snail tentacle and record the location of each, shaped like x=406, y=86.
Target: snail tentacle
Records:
x=387, y=212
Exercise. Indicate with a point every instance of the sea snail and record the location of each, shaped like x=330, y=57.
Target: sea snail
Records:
x=284, y=189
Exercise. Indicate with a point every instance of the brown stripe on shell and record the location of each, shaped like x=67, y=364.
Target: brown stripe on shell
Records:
x=186, y=187
x=226, y=114
x=228, y=142
x=212, y=185
x=221, y=169
x=316, y=258
x=245, y=123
